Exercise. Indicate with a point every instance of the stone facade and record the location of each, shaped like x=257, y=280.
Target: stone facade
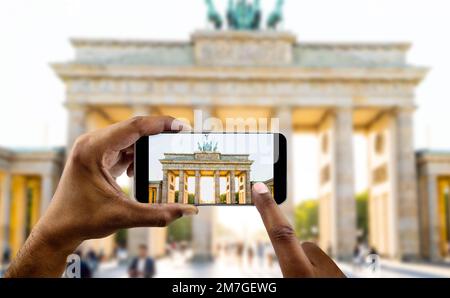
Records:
x=433, y=168
x=28, y=179
x=333, y=89
x=201, y=164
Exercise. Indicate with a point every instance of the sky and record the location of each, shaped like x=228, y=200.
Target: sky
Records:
x=36, y=33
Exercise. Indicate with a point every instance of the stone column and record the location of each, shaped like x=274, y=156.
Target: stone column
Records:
x=165, y=187
x=408, y=228
x=432, y=223
x=203, y=225
x=382, y=204
x=248, y=191
x=345, y=206
x=233, y=187
x=217, y=186
x=47, y=188
x=181, y=187
x=76, y=123
x=337, y=211
x=197, y=187
x=203, y=234
x=284, y=116
x=5, y=208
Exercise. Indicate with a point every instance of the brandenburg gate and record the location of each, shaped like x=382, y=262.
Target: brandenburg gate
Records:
x=201, y=164
x=333, y=90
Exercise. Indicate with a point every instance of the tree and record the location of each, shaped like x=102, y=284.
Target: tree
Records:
x=306, y=219
x=362, y=215
x=181, y=229
x=191, y=198
x=223, y=198
x=121, y=237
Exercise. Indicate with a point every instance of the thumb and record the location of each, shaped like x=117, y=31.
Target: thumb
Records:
x=161, y=215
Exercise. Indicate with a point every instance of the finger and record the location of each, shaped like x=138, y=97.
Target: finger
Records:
x=124, y=134
x=292, y=258
x=147, y=215
x=130, y=170
x=122, y=164
x=325, y=266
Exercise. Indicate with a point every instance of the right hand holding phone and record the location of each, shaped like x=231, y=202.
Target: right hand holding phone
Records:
x=295, y=259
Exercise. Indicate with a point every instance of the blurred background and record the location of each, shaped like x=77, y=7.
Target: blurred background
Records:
x=358, y=87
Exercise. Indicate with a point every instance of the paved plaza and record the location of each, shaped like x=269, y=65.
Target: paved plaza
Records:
x=179, y=267
x=229, y=267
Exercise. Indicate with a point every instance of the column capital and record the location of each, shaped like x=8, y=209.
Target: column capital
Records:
x=141, y=110
x=74, y=106
x=405, y=109
x=343, y=109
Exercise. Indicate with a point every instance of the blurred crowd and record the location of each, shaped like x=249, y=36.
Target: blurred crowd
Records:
x=365, y=258
x=246, y=256
x=257, y=254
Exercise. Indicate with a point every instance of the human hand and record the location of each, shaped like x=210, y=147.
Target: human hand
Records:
x=295, y=259
x=88, y=202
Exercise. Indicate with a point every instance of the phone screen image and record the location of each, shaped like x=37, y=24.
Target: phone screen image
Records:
x=209, y=169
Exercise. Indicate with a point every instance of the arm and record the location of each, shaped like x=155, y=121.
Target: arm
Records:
x=88, y=202
x=296, y=260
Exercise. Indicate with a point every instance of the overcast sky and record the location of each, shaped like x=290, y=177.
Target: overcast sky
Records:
x=35, y=33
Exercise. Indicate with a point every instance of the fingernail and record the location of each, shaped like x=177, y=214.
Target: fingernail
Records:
x=180, y=125
x=190, y=211
x=260, y=188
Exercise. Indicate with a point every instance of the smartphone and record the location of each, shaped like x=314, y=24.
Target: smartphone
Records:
x=209, y=169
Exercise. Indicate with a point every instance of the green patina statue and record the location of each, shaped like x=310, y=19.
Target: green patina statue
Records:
x=244, y=15
x=213, y=15
x=207, y=146
x=276, y=16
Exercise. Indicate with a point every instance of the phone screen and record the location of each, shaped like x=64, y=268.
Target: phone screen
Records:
x=211, y=168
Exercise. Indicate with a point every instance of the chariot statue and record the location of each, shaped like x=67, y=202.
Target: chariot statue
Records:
x=244, y=15
x=207, y=146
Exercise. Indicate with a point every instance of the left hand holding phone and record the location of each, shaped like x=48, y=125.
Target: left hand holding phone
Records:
x=88, y=202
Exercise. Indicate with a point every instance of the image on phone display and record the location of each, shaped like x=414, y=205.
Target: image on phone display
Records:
x=209, y=169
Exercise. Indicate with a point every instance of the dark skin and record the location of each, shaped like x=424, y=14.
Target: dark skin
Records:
x=89, y=204
x=295, y=259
